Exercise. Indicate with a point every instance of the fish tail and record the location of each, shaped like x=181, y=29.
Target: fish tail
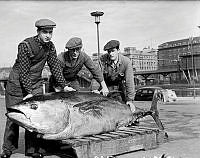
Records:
x=154, y=110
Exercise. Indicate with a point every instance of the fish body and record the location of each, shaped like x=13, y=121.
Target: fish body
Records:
x=63, y=115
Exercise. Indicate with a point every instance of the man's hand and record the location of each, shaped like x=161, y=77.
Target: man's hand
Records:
x=66, y=89
x=28, y=96
x=58, y=89
x=96, y=91
x=132, y=106
x=104, y=91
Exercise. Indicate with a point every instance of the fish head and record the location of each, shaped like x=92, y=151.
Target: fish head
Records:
x=40, y=115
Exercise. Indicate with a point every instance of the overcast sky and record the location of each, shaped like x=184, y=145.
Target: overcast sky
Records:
x=134, y=23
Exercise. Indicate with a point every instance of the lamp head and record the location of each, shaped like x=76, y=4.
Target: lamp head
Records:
x=97, y=15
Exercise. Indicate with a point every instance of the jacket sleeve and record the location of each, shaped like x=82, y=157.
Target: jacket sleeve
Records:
x=55, y=67
x=130, y=86
x=95, y=70
x=24, y=66
x=61, y=60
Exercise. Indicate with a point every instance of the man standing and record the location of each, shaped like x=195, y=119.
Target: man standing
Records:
x=72, y=62
x=25, y=81
x=118, y=73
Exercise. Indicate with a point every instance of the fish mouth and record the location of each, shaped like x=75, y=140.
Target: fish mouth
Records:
x=12, y=110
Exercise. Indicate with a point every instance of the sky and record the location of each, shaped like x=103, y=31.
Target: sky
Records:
x=134, y=23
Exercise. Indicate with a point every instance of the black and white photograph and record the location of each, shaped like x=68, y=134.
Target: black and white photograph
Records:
x=100, y=79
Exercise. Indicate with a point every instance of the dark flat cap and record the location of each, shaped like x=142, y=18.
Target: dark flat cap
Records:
x=73, y=43
x=111, y=44
x=45, y=23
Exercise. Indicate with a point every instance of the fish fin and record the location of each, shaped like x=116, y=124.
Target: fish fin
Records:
x=154, y=110
x=93, y=107
x=158, y=121
x=52, y=136
x=67, y=133
x=154, y=103
x=59, y=136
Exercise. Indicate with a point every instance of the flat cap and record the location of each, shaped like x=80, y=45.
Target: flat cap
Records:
x=73, y=43
x=45, y=23
x=111, y=44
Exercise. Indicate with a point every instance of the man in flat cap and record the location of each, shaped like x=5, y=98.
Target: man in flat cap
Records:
x=72, y=61
x=25, y=81
x=118, y=73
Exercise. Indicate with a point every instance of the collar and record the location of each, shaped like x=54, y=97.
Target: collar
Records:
x=119, y=60
x=38, y=40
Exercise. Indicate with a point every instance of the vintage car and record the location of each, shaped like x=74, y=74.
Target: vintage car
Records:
x=146, y=94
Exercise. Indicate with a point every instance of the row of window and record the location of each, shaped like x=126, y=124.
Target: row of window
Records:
x=180, y=43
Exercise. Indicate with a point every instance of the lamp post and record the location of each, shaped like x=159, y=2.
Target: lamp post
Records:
x=97, y=15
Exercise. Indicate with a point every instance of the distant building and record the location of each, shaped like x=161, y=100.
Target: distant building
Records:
x=94, y=56
x=183, y=56
x=145, y=60
x=4, y=72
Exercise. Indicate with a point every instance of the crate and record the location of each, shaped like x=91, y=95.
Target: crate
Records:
x=124, y=140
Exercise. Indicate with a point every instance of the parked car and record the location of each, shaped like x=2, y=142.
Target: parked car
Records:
x=146, y=94
x=169, y=95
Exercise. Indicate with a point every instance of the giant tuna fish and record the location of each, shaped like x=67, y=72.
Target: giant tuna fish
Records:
x=63, y=115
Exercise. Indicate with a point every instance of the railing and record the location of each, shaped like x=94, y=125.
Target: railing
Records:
x=182, y=90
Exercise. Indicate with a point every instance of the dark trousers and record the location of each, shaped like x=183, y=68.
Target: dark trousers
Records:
x=11, y=136
x=46, y=147
x=118, y=93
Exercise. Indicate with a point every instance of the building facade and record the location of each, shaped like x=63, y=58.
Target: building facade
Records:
x=145, y=60
x=142, y=61
x=182, y=57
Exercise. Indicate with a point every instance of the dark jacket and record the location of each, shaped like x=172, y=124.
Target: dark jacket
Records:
x=115, y=73
x=71, y=69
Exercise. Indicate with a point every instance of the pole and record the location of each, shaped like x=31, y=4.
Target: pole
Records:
x=193, y=68
x=99, y=61
x=97, y=16
x=98, y=41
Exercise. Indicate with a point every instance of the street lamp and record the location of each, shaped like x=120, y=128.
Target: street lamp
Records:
x=97, y=15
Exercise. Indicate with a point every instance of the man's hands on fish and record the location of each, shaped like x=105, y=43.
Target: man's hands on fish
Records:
x=67, y=88
x=104, y=89
x=132, y=106
x=28, y=96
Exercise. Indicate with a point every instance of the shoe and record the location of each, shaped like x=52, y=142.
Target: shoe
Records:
x=35, y=155
x=135, y=123
x=5, y=154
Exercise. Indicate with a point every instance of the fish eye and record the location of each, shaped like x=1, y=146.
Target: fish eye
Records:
x=34, y=106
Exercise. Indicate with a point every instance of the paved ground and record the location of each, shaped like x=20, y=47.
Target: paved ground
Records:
x=181, y=120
